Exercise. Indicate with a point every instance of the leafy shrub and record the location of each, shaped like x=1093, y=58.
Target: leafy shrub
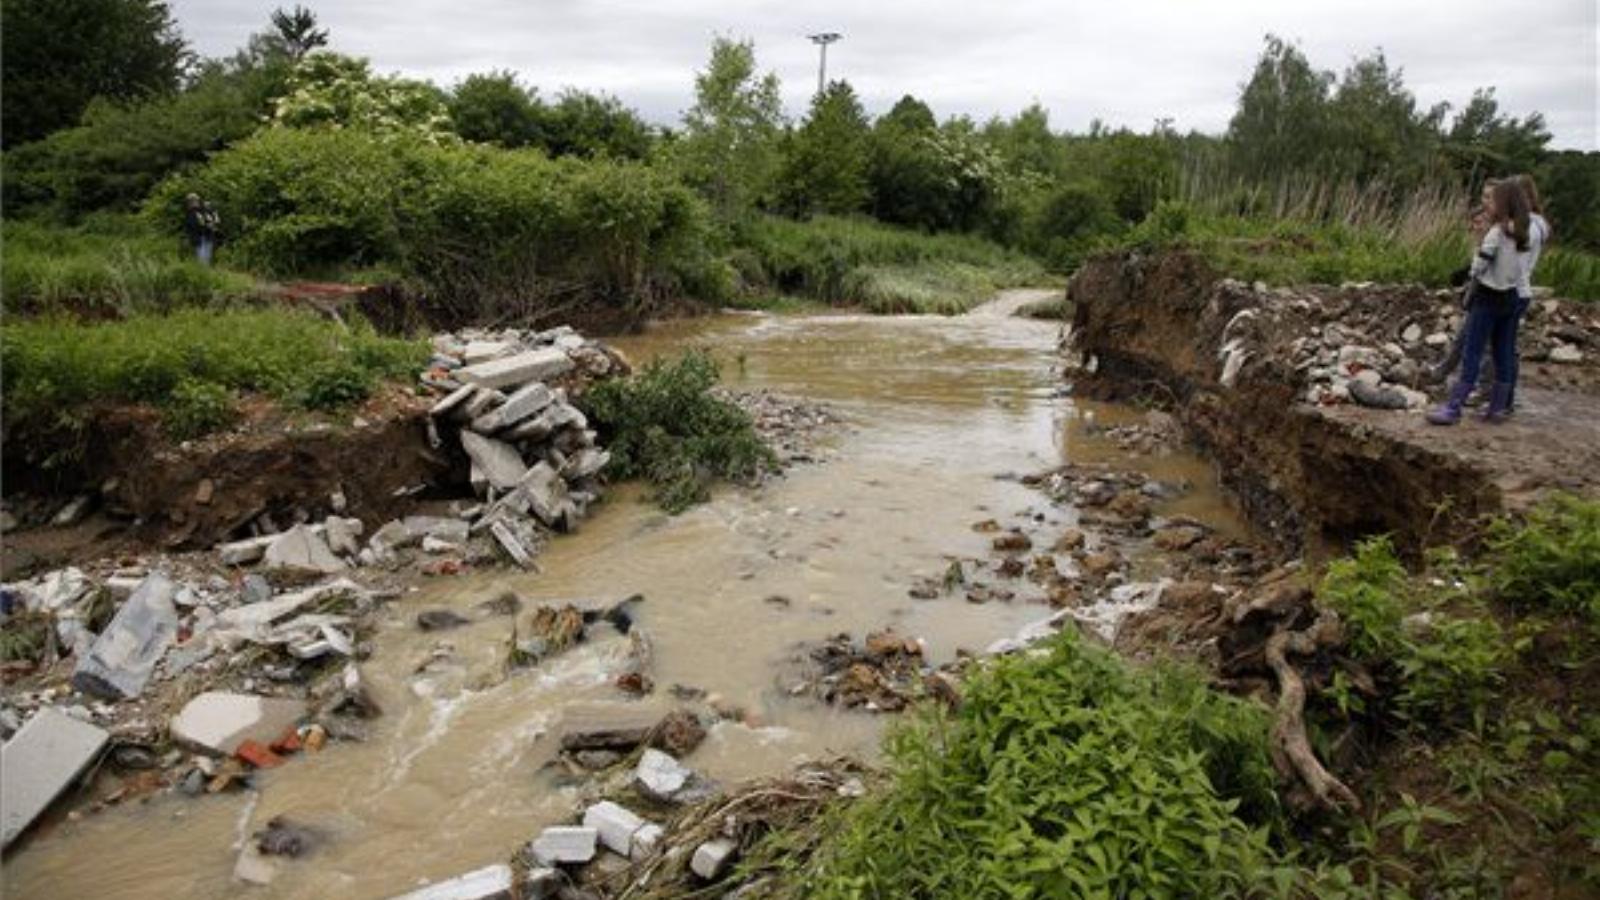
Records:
x=1367, y=590
x=1070, y=775
x=1550, y=561
x=1573, y=274
x=665, y=425
x=335, y=384
x=490, y=233
x=106, y=266
x=329, y=90
x=196, y=407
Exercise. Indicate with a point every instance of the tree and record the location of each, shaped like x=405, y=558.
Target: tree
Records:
x=60, y=54
x=493, y=108
x=729, y=145
x=1483, y=143
x=904, y=172
x=1570, y=182
x=594, y=125
x=1282, y=120
x=825, y=168
x=298, y=30
x=330, y=90
x=1375, y=132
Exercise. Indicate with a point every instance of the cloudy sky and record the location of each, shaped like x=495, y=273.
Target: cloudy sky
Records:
x=1126, y=62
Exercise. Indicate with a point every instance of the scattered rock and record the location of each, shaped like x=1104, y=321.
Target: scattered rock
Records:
x=659, y=776
x=284, y=837
x=614, y=824
x=565, y=845
x=1013, y=542
x=713, y=858
x=304, y=549
x=440, y=620
x=496, y=882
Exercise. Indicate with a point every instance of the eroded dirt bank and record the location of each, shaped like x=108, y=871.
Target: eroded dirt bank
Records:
x=1284, y=389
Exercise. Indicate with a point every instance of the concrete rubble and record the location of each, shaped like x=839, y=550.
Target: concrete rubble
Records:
x=39, y=762
x=496, y=882
x=122, y=659
x=219, y=722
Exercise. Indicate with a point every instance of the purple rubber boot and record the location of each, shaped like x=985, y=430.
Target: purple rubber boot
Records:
x=1450, y=412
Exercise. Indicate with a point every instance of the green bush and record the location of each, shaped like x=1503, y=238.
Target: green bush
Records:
x=106, y=266
x=1572, y=274
x=1367, y=590
x=665, y=425
x=196, y=407
x=1552, y=560
x=1068, y=775
x=56, y=370
x=489, y=233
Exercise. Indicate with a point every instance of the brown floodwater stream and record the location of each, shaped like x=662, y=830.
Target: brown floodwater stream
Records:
x=939, y=412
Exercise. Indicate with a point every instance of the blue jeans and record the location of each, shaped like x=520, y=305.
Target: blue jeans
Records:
x=1492, y=322
x=203, y=249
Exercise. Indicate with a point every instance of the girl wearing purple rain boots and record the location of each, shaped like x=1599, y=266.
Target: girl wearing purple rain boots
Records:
x=1492, y=310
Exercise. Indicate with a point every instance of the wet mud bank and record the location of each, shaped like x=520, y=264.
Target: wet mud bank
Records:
x=1310, y=401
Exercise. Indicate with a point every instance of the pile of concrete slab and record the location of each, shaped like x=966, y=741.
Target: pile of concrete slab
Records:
x=534, y=458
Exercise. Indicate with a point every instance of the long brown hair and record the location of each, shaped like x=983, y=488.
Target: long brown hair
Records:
x=1531, y=192
x=1511, y=207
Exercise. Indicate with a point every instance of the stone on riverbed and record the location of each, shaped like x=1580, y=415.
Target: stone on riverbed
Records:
x=615, y=825
x=712, y=858
x=605, y=727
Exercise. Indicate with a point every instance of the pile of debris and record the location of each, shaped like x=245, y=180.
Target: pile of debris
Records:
x=1374, y=345
x=884, y=673
x=534, y=459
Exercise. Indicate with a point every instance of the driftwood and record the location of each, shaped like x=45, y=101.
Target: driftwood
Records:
x=1291, y=750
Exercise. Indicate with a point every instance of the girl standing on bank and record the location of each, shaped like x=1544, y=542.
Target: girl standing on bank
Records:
x=1492, y=310
x=1539, y=234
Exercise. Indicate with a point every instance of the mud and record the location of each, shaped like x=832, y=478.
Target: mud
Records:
x=1309, y=468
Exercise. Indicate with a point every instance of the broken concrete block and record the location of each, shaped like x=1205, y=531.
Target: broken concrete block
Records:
x=483, y=351
x=509, y=541
x=512, y=371
x=481, y=401
x=494, y=882
x=500, y=464
x=615, y=825
x=122, y=659
x=546, y=494
x=659, y=776
x=343, y=535
x=565, y=845
x=712, y=858
x=586, y=463
x=220, y=721
x=646, y=841
x=302, y=548
x=242, y=553
x=74, y=512
x=39, y=761
x=444, y=528
x=597, y=727
x=527, y=402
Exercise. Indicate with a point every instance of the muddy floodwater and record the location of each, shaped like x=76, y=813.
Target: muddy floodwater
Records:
x=940, y=417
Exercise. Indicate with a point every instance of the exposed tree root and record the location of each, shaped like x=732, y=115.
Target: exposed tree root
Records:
x=1291, y=750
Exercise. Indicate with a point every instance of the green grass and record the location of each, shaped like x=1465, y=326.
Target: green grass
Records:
x=859, y=262
x=1571, y=274
x=109, y=266
x=192, y=363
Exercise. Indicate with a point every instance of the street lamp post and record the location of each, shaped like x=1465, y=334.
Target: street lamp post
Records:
x=823, y=40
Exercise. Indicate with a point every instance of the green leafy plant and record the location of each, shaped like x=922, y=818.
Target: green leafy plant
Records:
x=665, y=425
x=195, y=408
x=1068, y=774
x=1552, y=560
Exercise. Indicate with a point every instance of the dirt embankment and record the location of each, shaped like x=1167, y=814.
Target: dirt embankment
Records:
x=1274, y=385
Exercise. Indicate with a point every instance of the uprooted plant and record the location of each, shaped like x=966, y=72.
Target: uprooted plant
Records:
x=664, y=425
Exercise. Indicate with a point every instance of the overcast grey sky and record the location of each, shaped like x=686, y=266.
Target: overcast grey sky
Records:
x=1126, y=62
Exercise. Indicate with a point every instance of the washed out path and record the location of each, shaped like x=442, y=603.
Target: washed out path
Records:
x=941, y=415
